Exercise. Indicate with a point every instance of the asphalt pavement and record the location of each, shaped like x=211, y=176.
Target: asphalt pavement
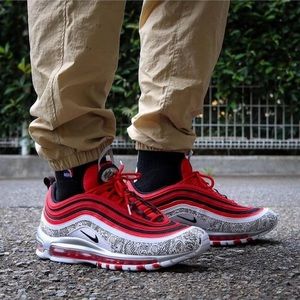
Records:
x=266, y=269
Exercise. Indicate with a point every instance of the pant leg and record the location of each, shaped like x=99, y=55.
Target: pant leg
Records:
x=180, y=44
x=74, y=54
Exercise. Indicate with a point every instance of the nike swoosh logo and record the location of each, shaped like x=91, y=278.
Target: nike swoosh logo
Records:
x=189, y=220
x=94, y=239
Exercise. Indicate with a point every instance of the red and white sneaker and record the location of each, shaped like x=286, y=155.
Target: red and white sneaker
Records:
x=111, y=227
x=194, y=201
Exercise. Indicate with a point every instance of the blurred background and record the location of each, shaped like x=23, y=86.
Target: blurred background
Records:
x=252, y=106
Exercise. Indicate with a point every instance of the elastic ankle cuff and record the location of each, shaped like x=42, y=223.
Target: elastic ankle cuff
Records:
x=140, y=146
x=80, y=158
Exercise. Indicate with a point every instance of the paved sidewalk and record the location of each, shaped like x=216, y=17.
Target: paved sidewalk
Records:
x=268, y=269
x=31, y=166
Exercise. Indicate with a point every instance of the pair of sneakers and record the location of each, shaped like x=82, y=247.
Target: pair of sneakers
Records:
x=114, y=226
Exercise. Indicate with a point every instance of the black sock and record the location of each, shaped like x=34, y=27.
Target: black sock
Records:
x=69, y=182
x=158, y=169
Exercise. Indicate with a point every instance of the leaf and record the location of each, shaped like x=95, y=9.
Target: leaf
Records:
x=24, y=67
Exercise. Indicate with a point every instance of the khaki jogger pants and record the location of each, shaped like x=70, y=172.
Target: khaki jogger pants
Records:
x=74, y=55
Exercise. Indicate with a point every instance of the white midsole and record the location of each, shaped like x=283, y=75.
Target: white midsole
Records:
x=84, y=246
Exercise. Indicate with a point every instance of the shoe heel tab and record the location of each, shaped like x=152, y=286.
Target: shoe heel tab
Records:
x=48, y=181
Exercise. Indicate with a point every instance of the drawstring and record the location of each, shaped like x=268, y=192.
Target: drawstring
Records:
x=107, y=151
x=189, y=154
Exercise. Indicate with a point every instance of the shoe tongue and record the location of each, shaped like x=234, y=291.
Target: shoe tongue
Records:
x=93, y=176
x=186, y=168
x=107, y=171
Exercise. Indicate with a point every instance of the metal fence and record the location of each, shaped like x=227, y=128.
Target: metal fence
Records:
x=252, y=124
x=9, y=143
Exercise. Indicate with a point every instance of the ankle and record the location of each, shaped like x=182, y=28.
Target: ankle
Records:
x=69, y=182
x=158, y=169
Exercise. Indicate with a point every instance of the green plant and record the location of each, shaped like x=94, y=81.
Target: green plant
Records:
x=125, y=91
x=261, y=48
x=15, y=74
